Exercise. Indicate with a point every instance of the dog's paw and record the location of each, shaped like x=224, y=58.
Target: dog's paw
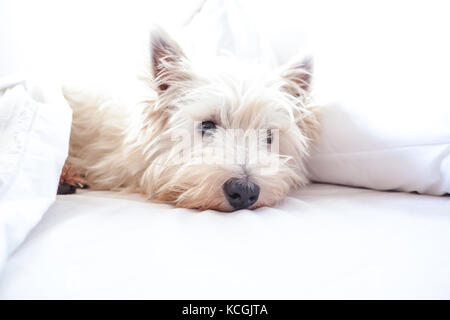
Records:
x=65, y=188
x=70, y=180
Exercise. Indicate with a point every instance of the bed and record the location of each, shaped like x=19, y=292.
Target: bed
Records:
x=325, y=242
x=374, y=225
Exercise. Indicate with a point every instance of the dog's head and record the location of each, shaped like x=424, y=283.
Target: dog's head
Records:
x=228, y=136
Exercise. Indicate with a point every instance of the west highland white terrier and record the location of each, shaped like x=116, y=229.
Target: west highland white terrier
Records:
x=226, y=135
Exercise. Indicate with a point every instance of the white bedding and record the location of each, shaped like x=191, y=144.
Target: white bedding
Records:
x=34, y=141
x=322, y=242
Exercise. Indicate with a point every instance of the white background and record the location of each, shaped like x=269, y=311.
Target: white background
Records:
x=77, y=37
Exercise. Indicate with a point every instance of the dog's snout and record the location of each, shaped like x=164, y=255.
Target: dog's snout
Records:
x=240, y=193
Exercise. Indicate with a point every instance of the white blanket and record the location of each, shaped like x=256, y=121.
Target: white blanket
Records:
x=34, y=135
x=322, y=242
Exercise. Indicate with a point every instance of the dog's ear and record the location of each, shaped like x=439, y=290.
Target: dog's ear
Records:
x=168, y=62
x=297, y=77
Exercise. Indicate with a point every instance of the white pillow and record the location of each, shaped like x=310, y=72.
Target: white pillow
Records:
x=34, y=136
x=381, y=75
x=383, y=154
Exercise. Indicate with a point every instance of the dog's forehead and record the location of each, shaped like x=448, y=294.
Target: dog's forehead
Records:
x=238, y=95
x=251, y=109
x=248, y=103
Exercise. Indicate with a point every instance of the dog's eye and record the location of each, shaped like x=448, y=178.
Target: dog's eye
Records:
x=207, y=126
x=269, y=136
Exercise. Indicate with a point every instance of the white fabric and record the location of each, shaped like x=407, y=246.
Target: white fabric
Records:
x=34, y=135
x=357, y=151
x=322, y=242
x=381, y=74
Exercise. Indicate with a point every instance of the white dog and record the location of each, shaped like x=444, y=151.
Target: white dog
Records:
x=137, y=147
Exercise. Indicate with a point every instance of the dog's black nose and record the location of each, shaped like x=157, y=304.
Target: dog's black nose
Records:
x=240, y=193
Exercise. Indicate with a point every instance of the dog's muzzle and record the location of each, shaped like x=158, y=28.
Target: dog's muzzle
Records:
x=241, y=193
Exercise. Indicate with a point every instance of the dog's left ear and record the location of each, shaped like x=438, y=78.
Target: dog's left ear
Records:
x=297, y=77
x=168, y=62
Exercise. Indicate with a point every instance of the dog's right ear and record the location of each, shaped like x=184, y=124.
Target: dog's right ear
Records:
x=297, y=77
x=168, y=62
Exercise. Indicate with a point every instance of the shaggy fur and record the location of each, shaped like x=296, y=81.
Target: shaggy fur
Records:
x=131, y=146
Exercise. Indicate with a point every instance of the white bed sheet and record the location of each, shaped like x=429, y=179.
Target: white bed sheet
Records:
x=322, y=242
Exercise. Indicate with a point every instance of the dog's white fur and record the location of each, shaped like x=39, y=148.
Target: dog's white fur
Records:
x=130, y=147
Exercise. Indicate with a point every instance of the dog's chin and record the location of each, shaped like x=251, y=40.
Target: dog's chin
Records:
x=187, y=195
x=222, y=206
x=212, y=200
x=199, y=198
x=184, y=200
